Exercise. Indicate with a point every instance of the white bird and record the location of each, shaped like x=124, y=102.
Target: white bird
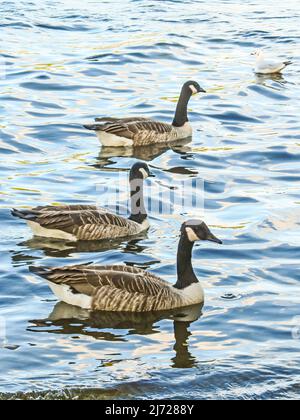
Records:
x=267, y=66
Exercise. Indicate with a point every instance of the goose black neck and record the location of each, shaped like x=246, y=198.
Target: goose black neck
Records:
x=138, y=210
x=181, y=116
x=185, y=272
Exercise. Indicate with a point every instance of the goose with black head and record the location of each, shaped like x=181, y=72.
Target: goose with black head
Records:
x=139, y=131
x=129, y=289
x=90, y=223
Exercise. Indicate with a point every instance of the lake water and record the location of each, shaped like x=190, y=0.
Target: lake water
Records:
x=69, y=61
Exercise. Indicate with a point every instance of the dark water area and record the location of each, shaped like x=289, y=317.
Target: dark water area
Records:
x=62, y=63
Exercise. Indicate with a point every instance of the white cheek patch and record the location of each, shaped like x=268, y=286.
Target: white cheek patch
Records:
x=193, y=89
x=191, y=235
x=144, y=173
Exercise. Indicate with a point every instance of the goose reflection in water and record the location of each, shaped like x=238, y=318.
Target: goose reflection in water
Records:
x=63, y=249
x=146, y=153
x=71, y=320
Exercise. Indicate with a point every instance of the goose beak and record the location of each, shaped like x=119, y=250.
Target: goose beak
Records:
x=151, y=175
x=202, y=90
x=213, y=238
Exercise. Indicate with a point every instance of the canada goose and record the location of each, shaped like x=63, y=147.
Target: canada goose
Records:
x=138, y=131
x=129, y=289
x=88, y=223
x=266, y=66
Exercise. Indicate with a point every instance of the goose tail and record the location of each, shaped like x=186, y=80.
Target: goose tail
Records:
x=92, y=127
x=24, y=214
x=40, y=271
x=63, y=291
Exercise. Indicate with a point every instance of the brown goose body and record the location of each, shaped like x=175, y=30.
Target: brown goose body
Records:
x=78, y=223
x=113, y=288
x=129, y=289
x=140, y=131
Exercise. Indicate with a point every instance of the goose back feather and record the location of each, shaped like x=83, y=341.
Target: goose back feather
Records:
x=82, y=223
x=139, y=133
